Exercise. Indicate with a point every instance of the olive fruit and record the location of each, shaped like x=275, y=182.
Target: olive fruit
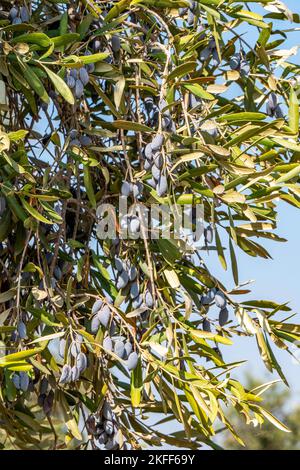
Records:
x=75, y=373
x=81, y=362
x=162, y=186
x=24, y=14
x=132, y=360
x=119, y=349
x=104, y=315
x=16, y=381
x=22, y=331
x=206, y=325
x=24, y=381
x=97, y=306
x=220, y=300
x=108, y=427
x=84, y=76
x=78, y=89
x=65, y=374
x=107, y=344
x=223, y=316
x=107, y=411
x=126, y=189
x=157, y=142
x=115, y=43
x=13, y=13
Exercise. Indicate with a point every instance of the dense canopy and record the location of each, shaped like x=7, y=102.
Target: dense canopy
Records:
x=116, y=343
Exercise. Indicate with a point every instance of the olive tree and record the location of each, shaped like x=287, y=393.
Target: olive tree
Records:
x=108, y=340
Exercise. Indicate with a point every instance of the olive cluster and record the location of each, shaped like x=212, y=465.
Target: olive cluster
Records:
x=21, y=381
x=273, y=108
x=45, y=398
x=136, y=189
x=122, y=348
x=126, y=273
x=119, y=345
x=19, y=15
x=154, y=160
x=190, y=11
x=239, y=62
x=77, y=79
x=72, y=373
x=105, y=431
x=217, y=297
x=79, y=140
x=210, y=52
x=101, y=315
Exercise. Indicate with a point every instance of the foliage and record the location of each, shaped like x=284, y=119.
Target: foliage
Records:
x=268, y=438
x=86, y=86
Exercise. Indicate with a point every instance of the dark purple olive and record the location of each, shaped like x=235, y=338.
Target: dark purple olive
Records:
x=119, y=349
x=96, y=45
x=123, y=280
x=95, y=324
x=97, y=306
x=134, y=290
x=75, y=373
x=115, y=43
x=126, y=189
x=104, y=315
x=157, y=142
x=74, y=73
x=81, y=362
x=149, y=299
x=78, y=88
x=22, y=330
x=158, y=160
x=24, y=14
x=65, y=376
x=24, y=381
x=128, y=348
x=223, y=316
x=107, y=411
x=149, y=103
x=162, y=186
x=132, y=360
x=148, y=152
x=152, y=183
x=208, y=234
x=220, y=300
x=85, y=141
x=245, y=68
x=107, y=344
x=206, y=325
x=132, y=273
x=156, y=172
x=235, y=61
x=205, y=53
x=137, y=189
x=108, y=427
x=137, y=302
x=16, y=381
x=134, y=225
x=84, y=76
x=13, y=13
x=17, y=20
